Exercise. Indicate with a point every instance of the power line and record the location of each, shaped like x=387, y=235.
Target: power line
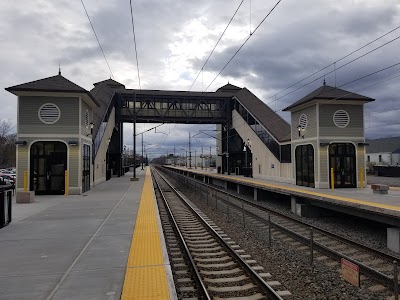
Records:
x=94, y=31
x=202, y=68
x=342, y=66
x=237, y=51
x=349, y=93
x=134, y=40
x=324, y=68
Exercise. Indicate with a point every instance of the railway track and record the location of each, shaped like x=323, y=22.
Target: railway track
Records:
x=206, y=263
x=317, y=243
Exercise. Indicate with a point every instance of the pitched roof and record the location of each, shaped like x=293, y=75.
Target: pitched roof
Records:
x=391, y=145
x=274, y=123
x=56, y=83
x=327, y=92
x=229, y=88
x=104, y=94
x=110, y=82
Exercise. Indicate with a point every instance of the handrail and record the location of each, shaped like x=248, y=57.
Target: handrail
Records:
x=100, y=133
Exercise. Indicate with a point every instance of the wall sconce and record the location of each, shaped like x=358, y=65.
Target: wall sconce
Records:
x=91, y=125
x=363, y=144
x=300, y=129
x=20, y=143
x=73, y=143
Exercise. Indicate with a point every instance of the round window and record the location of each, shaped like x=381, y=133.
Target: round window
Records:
x=49, y=113
x=341, y=118
x=303, y=121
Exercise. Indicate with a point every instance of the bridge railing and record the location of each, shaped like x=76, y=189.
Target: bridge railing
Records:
x=100, y=133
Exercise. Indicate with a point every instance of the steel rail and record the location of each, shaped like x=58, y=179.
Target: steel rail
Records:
x=383, y=278
x=202, y=291
x=248, y=269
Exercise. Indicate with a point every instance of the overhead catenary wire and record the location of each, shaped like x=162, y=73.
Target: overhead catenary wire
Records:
x=349, y=93
x=333, y=64
x=212, y=51
x=244, y=43
x=134, y=41
x=98, y=41
x=342, y=66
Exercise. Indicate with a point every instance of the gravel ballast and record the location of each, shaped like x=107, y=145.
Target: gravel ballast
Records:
x=290, y=266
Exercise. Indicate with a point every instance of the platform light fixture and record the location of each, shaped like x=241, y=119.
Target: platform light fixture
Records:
x=91, y=127
x=21, y=143
x=324, y=144
x=73, y=143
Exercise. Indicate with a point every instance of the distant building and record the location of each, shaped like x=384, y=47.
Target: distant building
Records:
x=385, y=151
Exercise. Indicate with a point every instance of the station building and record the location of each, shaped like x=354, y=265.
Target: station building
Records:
x=68, y=137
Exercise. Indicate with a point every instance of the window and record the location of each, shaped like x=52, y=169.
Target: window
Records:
x=380, y=158
x=49, y=113
x=341, y=118
x=368, y=158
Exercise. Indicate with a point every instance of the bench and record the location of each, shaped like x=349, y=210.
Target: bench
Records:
x=380, y=188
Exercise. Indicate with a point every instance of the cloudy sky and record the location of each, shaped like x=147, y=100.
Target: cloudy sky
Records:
x=175, y=37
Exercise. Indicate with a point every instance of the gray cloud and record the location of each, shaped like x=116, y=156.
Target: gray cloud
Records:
x=298, y=38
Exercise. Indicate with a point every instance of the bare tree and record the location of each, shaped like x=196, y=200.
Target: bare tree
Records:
x=7, y=144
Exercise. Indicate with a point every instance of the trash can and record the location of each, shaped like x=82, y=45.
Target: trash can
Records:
x=5, y=205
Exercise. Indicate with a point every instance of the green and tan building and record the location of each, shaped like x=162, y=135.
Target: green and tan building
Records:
x=70, y=139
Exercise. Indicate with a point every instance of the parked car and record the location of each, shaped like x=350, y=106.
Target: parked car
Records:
x=8, y=179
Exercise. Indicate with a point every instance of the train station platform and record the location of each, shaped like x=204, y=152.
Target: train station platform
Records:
x=104, y=244
x=361, y=199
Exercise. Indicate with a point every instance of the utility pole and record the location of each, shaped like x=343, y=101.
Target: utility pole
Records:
x=210, y=159
x=142, y=151
x=202, y=158
x=195, y=155
x=174, y=157
x=227, y=149
x=190, y=154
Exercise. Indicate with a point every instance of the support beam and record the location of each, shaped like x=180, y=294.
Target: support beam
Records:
x=393, y=239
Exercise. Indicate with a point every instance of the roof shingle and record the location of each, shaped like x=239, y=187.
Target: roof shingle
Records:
x=391, y=145
x=327, y=92
x=57, y=83
x=274, y=123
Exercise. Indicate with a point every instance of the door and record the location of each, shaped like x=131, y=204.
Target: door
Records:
x=305, y=165
x=85, y=168
x=47, y=168
x=342, y=158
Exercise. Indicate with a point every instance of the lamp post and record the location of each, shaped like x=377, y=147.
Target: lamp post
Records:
x=209, y=163
x=124, y=160
x=142, y=151
x=202, y=158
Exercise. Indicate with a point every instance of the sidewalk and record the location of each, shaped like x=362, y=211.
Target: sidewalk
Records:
x=70, y=247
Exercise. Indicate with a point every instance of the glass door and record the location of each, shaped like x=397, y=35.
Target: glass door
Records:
x=342, y=159
x=305, y=165
x=48, y=165
x=85, y=168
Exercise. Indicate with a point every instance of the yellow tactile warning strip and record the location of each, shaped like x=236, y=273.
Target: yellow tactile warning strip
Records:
x=145, y=276
x=340, y=198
